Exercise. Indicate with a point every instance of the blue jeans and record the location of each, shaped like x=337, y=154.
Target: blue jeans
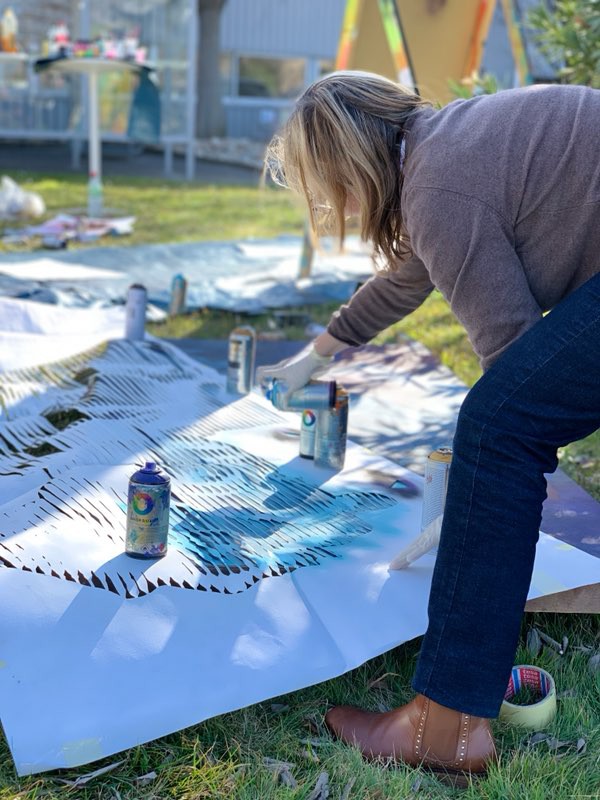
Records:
x=541, y=394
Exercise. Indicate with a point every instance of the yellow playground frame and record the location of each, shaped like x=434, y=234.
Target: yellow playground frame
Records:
x=421, y=43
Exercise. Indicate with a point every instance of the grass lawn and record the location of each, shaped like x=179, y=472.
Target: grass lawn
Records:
x=225, y=757
x=168, y=211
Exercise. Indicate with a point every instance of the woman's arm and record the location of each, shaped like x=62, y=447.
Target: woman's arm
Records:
x=327, y=345
x=383, y=300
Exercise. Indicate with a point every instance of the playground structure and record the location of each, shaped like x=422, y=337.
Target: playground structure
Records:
x=422, y=44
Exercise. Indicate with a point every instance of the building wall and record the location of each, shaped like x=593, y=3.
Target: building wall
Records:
x=271, y=49
x=307, y=28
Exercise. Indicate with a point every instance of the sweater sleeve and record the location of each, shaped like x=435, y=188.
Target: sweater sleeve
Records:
x=381, y=301
x=470, y=254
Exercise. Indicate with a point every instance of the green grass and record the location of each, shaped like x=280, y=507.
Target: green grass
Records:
x=223, y=757
x=168, y=211
x=207, y=323
x=526, y=696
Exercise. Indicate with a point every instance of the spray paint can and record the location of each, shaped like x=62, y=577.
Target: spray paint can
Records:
x=308, y=427
x=332, y=432
x=178, y=293
x=148, y=501
x=135, y=312
x=240, y=359
x=315, y=395
x=437, y=470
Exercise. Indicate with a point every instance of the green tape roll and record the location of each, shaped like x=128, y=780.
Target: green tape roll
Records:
x=537, y=715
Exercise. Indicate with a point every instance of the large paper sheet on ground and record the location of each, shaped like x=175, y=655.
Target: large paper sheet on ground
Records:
x=276, y=576
x=34, y=333
x=249, y=276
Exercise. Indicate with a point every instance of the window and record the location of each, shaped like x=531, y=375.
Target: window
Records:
x=271, y=77
x=325, y=67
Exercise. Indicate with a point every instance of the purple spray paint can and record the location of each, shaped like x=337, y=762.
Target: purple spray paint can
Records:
x=148, y=503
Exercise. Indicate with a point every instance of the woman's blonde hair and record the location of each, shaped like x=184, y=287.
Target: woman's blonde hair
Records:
x=342, y=143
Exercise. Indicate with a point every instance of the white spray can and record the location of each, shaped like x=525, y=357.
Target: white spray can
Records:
x=241, y=355
x=135, y=312
x=437, y=470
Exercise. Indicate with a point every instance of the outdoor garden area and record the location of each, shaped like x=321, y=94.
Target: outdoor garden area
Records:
x=200, y=661
x=280, y=748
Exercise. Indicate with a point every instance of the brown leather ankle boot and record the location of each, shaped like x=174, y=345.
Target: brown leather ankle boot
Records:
x=421, y=733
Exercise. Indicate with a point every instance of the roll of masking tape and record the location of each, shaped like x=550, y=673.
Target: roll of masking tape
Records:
x=536, y=715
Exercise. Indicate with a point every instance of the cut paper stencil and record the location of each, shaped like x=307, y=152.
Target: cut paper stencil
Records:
x=234, y=520
x=234, y=517
x=280, y=558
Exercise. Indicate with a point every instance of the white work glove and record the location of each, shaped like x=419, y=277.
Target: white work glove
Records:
x=295, y=372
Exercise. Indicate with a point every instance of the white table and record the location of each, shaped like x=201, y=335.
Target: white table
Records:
x=92, y=68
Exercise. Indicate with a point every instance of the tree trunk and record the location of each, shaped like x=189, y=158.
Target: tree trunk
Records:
x=210, y=118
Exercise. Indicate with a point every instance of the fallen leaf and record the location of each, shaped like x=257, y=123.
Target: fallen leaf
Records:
x=287, y=779
x=83, y=779
x=145, y=779
x=282, y=771
x=381, y=683
x=416, y=784
x=321, y=790
x=552, y=643
x=310, y=755
x=273, y=764
x=534, y=643
x=594, y=664
x=581, y=746
x=536, y=738
x=567, y=694
x=315, y=742
x=578, y=459
x=313, y=724
x=347, y=789
x=556, y=744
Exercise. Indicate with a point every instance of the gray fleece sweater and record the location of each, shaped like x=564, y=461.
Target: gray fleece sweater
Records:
x=501, y=201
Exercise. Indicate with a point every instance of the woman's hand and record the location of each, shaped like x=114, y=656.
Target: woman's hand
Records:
x=295, y=372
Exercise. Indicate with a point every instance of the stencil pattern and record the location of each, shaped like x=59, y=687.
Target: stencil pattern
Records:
x=235, y=518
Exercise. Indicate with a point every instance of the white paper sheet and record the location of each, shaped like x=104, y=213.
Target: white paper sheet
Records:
x=37, y=333
x=276, y=577
x=246, y=276
x=51, y=269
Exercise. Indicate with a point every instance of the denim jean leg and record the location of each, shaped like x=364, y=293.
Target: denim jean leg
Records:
x=541, y=394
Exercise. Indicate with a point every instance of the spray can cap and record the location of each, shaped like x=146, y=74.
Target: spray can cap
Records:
x=150, y=474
